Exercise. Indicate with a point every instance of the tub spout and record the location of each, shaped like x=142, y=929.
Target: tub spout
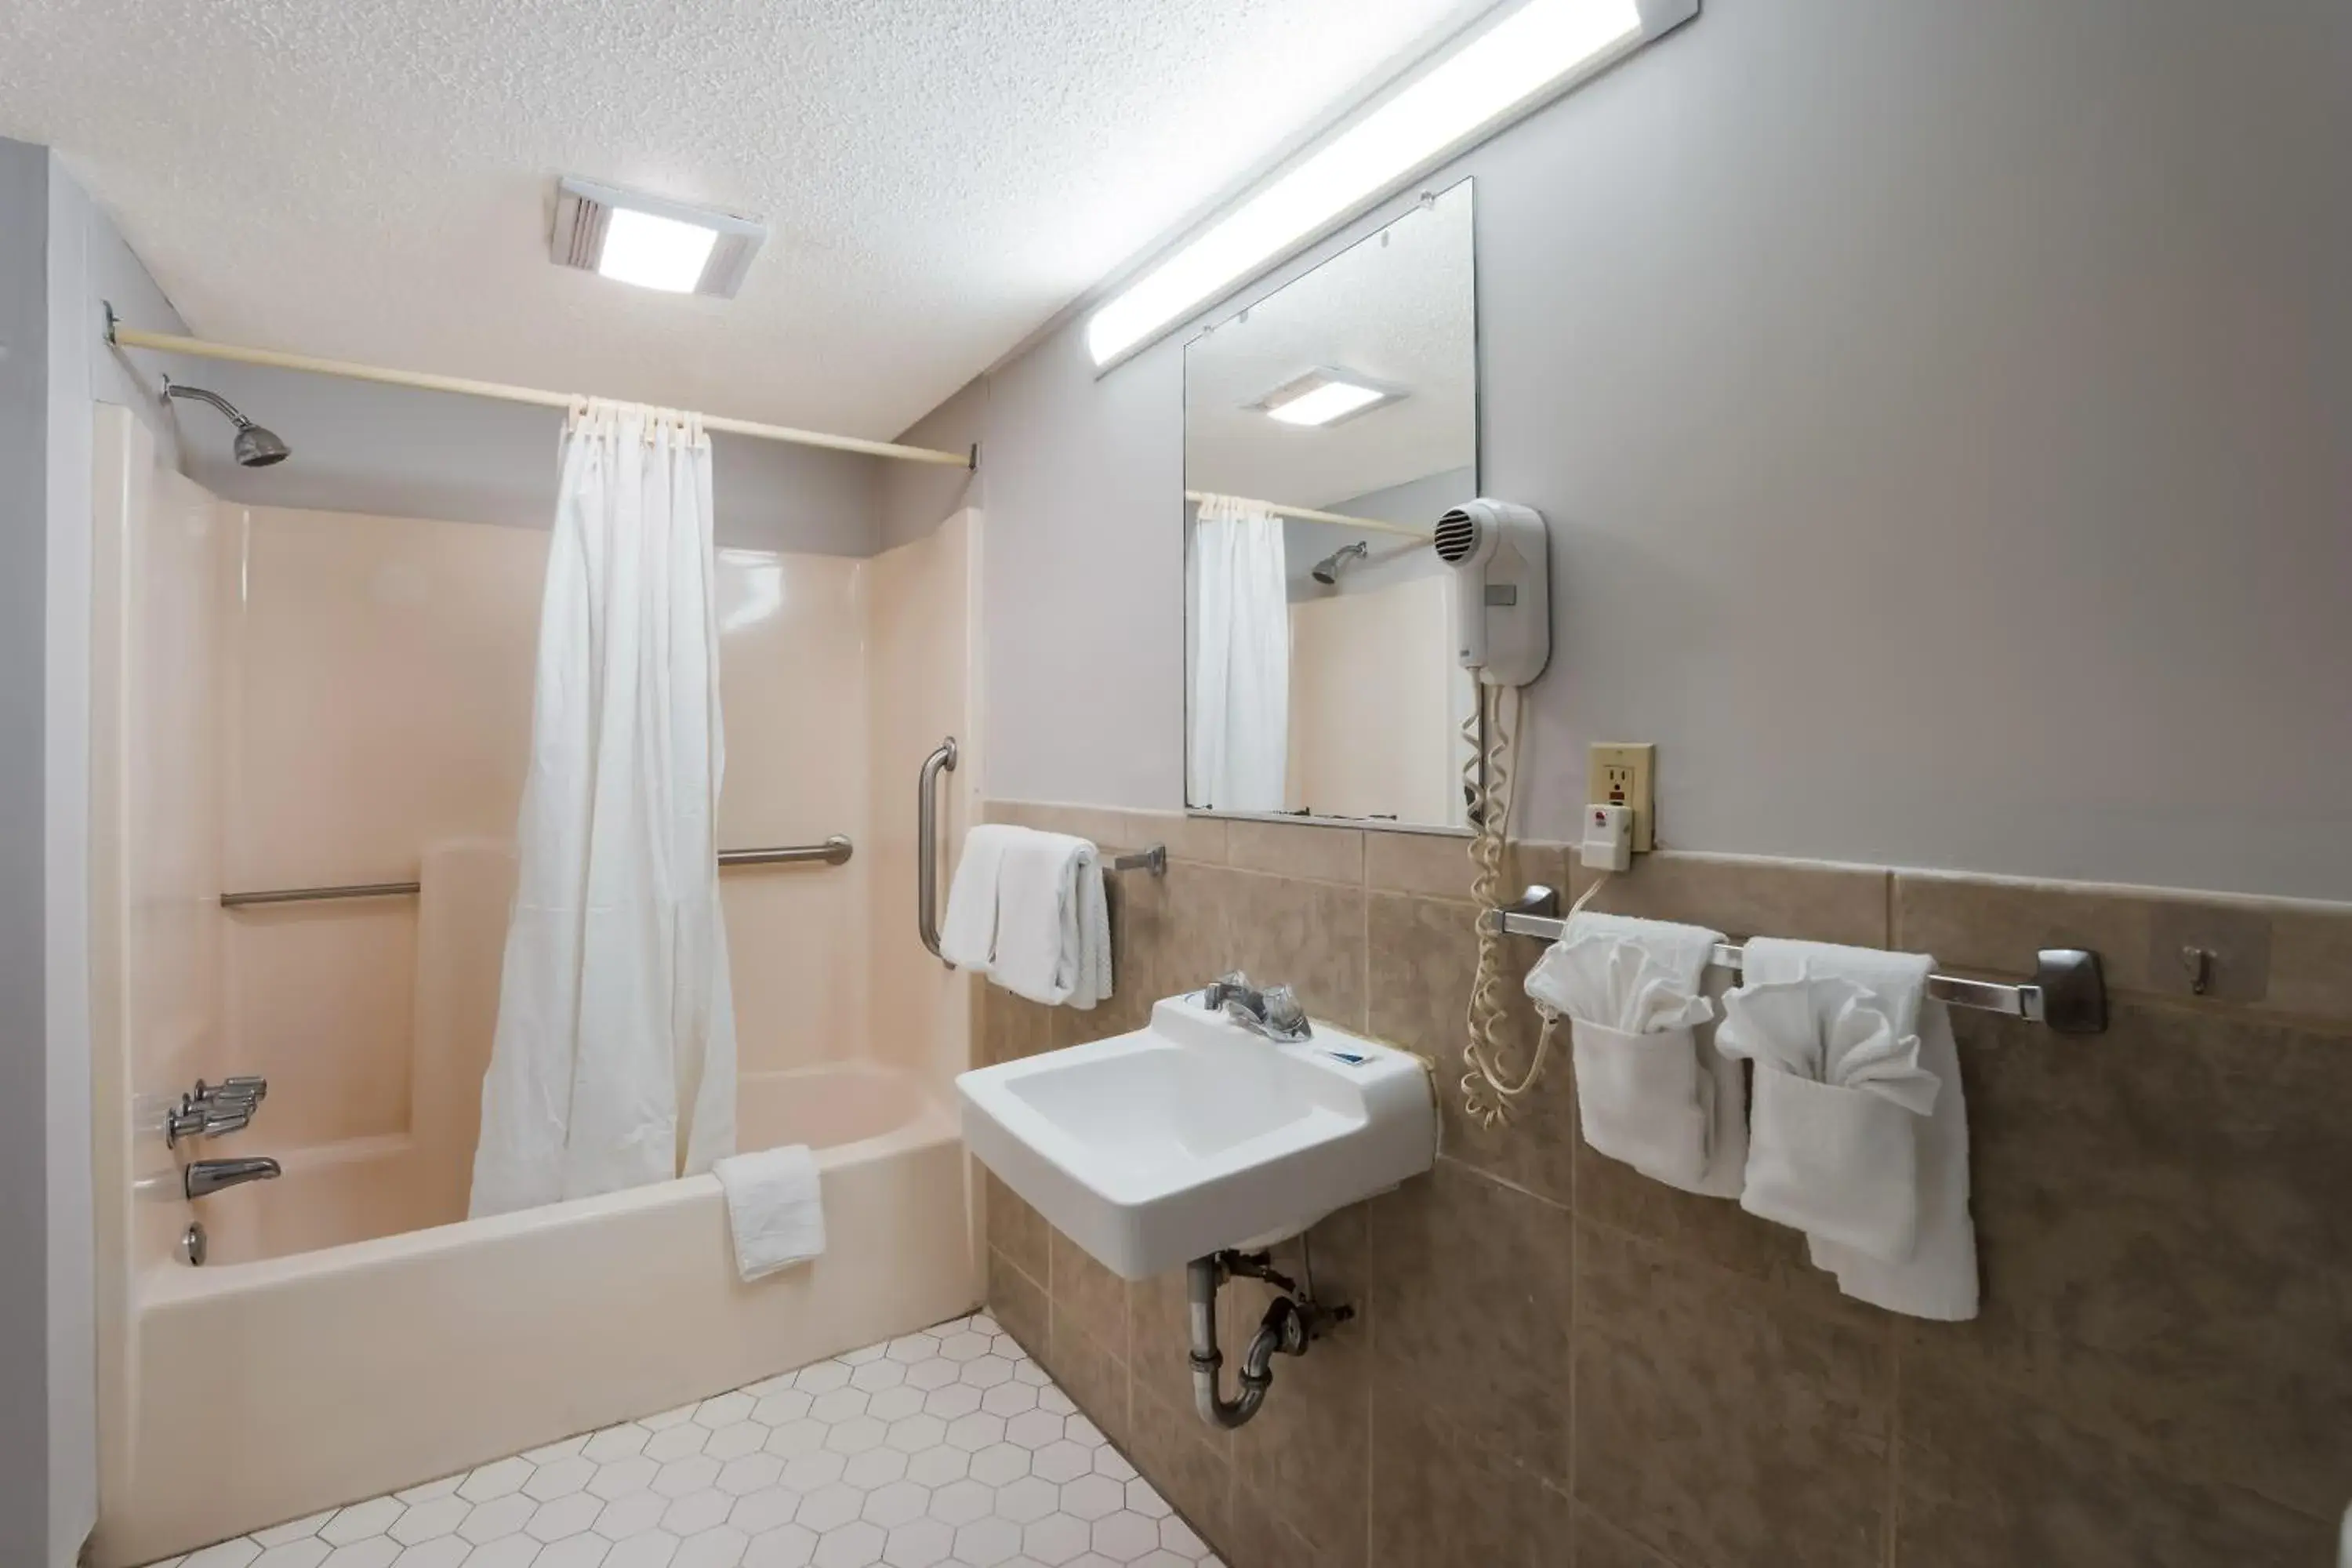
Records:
x=205, y=1176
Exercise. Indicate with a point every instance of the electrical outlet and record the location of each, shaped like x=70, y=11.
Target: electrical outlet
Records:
x=1621, y=776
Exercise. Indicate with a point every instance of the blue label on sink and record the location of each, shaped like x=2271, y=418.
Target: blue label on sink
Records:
x=1353, y=1058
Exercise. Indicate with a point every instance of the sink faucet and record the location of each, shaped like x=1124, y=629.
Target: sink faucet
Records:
x=207, y=1176
x=1273, y=1013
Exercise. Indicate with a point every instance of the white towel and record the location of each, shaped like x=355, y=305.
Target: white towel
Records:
x=1652, y=1091
x=1938, y=1278
x=1053, y=922
x=774, y=1207
x=968, y=935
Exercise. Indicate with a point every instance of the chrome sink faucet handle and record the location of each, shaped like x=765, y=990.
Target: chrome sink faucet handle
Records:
x=1273, y=1013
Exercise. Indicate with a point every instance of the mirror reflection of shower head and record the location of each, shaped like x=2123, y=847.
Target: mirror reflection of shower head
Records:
x=255, y=448
x=1327, y=571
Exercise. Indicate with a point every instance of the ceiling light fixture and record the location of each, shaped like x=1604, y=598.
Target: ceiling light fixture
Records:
x=1540, y=48
x=651, y=242
x=1324, y=397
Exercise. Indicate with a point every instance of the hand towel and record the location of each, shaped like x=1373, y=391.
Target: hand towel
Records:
x=1652, y=1089
x=1053, y=922
x=1915, y=1064
x=968, y=935
x=774, y=1208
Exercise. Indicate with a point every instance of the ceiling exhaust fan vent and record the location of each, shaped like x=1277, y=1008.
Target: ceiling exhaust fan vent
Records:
x=651, y=241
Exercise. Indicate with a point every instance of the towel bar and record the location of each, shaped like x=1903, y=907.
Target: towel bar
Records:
x=832, y=852
x=2068, y=992
x=1154, y=860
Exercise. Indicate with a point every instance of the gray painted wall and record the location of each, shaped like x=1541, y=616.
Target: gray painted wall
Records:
x=23, y=1030
x=395, y=451
x=1945, y=414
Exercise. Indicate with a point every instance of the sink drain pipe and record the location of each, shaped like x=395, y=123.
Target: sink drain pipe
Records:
x=1292, y=1322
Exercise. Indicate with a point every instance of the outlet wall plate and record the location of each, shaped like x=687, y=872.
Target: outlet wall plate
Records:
x=1623, y=775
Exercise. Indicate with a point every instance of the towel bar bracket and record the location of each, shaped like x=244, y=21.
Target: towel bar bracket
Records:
x=2069, y=992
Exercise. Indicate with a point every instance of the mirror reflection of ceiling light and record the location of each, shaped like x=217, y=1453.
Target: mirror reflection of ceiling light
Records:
x=1323, y=398
x=652, y=242
x=1543, y=47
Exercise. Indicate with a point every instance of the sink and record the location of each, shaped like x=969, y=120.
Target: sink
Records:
x=1193, y=1134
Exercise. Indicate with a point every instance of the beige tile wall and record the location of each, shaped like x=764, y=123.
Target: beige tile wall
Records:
x=1558, y=1361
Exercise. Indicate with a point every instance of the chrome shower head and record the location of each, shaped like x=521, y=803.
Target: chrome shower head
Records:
x=1327, y=571
x=255, y=446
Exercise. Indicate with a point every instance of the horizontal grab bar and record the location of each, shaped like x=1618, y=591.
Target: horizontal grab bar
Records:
x=834, y=851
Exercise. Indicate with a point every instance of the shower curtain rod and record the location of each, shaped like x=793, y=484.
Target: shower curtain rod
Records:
x=134, y=338
x=1305, y=514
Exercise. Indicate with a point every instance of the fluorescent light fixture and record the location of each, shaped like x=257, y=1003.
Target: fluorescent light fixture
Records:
x=1506, y=70
x=1324, y=397
x=650, y=241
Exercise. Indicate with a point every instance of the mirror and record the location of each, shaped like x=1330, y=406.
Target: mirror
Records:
x=1327, y=428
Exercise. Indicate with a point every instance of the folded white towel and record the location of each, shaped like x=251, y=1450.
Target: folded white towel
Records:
x=968, y=935
x=774, y=1208
x=1891, y=1047
x=1651, y=1088
x=1053, y=922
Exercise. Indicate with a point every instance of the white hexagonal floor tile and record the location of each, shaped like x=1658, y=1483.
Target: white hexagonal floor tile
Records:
x=856, y=1545
x=946, y=1449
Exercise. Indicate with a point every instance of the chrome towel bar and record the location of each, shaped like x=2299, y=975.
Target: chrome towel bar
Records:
x=834, y=851
x=2067, y=993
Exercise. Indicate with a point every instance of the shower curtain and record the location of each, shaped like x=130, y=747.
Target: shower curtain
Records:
x=614, y=1063
x=1238, y=752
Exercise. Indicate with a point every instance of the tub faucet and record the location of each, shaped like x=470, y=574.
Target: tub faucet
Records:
x=208, y=1177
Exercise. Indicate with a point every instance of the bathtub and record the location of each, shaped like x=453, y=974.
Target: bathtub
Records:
x=273, y=1388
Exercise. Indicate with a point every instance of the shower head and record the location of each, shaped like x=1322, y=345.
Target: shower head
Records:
x=255, y=448
x=1327, y=571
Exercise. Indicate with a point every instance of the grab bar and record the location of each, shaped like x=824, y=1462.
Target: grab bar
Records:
x=834, y=851
x=926, y=847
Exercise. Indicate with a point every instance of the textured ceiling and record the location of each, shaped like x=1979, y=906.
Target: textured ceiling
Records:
x=1399, y=308
x=372, y=182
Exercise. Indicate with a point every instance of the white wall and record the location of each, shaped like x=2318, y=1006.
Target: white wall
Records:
x=1946, y=415
x=83, y=262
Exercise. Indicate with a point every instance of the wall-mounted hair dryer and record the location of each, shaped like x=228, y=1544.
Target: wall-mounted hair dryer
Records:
x=1502, y=573
x=1499, y=552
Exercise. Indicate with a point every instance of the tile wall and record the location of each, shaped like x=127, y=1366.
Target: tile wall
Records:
x=1560, y=1361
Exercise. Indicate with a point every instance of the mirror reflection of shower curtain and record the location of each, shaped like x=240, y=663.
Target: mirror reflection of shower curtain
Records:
x=614, y=1063
x=1238, y=686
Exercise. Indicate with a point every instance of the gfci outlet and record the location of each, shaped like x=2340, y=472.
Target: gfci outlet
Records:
x=1620, y=776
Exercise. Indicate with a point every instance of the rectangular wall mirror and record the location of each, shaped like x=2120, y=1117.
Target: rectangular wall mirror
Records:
x=1327, y=428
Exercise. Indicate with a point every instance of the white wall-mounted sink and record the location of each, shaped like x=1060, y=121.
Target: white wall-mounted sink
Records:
x=1155, y=1148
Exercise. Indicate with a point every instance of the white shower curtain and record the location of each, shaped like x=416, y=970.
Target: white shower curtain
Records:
x=1238, y=753
x=613, y=1064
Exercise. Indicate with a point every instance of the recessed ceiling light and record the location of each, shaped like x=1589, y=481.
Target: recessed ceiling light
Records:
x=652, y=242
x=1540, y=48
x=1324, y=397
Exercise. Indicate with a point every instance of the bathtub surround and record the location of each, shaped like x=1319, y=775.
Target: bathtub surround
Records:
x=227, y=753
x=613, y=1062
x=946, y=1445
x=1555, y=1350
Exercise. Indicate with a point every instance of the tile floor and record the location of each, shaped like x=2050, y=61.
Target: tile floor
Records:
x=944, y=1449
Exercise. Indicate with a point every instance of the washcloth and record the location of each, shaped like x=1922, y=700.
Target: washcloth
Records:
x=1905, y=1060
x=1053, y=922
x=1652, y=1091
x=968, y=935
x=774, y=1208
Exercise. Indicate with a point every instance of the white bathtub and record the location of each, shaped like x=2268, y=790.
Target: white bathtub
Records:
x=271, y=1389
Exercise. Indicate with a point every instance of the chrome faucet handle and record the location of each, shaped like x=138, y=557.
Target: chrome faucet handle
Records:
x=218, y=1122
x=249, y=1087
x=1285, y=1018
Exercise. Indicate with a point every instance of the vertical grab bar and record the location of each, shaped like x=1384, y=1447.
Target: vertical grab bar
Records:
x=926, y=847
